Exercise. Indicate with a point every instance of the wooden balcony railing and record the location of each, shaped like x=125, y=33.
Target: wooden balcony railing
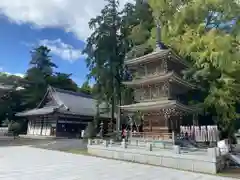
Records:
x=152, y=135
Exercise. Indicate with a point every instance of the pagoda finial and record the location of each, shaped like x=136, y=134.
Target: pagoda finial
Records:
x=159, y=44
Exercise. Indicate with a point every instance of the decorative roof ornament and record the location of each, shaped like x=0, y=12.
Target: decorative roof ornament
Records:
x=159, y=44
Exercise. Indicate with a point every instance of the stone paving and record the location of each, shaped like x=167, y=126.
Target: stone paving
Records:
x=28, y=163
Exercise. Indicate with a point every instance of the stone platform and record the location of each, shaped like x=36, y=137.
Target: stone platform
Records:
x=33, y=163
x=208, y=161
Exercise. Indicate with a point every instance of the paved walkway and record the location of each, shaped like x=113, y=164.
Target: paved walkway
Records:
x=28, y=163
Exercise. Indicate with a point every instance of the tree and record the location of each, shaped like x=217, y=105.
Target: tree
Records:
x=10, y=100
x=35, y=82
x=115, y=34
x=62, y=81
x=41, y=60
x=41, y=67
x=137, y=25
x=86, y=88
x=196, y=29
x=105, y=54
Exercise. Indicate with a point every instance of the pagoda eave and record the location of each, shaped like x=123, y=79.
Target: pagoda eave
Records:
x=171, y=77
x=156, y=55
x=166, y=107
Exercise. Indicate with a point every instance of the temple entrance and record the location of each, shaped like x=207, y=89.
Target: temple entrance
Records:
x=70, y=129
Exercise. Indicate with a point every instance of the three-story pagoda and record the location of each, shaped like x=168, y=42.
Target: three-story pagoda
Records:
x=157, y=83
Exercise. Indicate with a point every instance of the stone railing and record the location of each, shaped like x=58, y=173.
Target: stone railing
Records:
x=3, y=130
x=209, y=161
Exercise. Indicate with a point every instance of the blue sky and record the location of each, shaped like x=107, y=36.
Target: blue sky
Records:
x=17, y=40
x=62, y=25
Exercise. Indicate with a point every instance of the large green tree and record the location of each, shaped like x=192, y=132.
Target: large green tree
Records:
x=41, y=68
x=35, y=82
x=86, y=88
x=62, y=81
x=115, y=34
x=137, y=23
x=105, y=54
x=206, y=32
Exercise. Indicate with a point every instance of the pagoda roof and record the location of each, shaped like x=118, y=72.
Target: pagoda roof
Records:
x=157, y=54
x=171, y=76
x=160, y=105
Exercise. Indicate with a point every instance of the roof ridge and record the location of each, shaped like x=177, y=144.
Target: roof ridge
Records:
x=81, y=94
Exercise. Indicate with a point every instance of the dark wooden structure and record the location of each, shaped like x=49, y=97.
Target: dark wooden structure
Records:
x=62, y=114
x=157, y=82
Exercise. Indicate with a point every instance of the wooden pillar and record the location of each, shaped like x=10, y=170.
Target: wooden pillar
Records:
x=146, y=71
x=180, y=120
x=166, y=117
x=150, y=123
x=195, y=119
x=150, y=92
x=118, y=120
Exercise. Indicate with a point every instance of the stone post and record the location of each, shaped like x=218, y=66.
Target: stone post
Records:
x=110, y=142
x=218, y=152
x=131, y=128
x=124, y=144
x=90, y=142
x=212, y=152
x=176, y=149
x=173, y=137
x=98, y=141
x=105, y=143
x=162, y=145
x=137, y=142
x=149, y=147
x=101, y=130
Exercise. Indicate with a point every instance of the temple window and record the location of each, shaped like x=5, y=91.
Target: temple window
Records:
x=137, y=95
x=141, y=71
x=154, y=93
x=146, y=93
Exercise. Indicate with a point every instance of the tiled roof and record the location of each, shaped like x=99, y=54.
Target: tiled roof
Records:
x=38, y=111
x=69, y=102
x=76, y=103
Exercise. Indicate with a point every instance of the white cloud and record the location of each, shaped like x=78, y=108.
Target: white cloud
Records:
x=71, y=15
x=63, y=50
x=15, y=74
x=8, y=73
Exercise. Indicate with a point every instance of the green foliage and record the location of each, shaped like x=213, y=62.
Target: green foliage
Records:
x=105, y=50
x=196, y=29
x=114, y=34
x=15, y=127
x=62, y=81
x=86, y=88
x=90, y=130
x=139, y=22
x=35, y=82
x=41, y=60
